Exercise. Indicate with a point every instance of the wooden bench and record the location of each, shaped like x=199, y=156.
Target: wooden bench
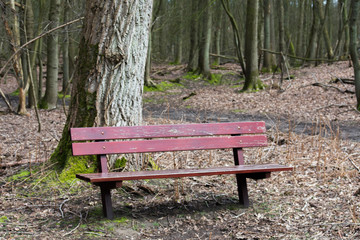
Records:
x=165, y=138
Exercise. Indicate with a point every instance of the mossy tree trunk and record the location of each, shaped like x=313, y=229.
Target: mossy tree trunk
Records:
x=107, y=88
x=252, y=81
x=355, y=8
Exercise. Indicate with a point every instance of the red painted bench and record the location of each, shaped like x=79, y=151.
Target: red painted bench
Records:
x=164, y=138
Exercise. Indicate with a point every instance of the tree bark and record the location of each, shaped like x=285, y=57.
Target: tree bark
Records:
x=65, y=52
x=52, y=67
x=205, y=39
x=252, y=81
x=267, y=64
x=300, y=48
x=194, y=48
x=107, y=89
x=321, y=14
x=313, y=39
x=237, y=38
x=355, y=8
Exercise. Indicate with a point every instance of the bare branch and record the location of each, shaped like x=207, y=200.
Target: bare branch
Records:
x=34, y=39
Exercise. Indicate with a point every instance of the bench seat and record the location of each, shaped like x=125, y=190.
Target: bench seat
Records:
x=249, y=170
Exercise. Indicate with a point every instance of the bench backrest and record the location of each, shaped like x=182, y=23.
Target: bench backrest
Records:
x=180, y=137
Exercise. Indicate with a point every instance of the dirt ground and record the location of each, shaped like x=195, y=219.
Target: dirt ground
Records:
x=312, y=126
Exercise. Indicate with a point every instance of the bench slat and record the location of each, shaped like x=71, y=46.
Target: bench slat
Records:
x=167, y=145
x=163, y=131
x=122, y=176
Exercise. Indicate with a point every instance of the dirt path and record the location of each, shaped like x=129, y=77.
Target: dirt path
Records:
x=348, y=131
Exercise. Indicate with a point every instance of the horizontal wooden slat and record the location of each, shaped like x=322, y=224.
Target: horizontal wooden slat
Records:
x=122, y=176
x=167, y=145
x=163, y=131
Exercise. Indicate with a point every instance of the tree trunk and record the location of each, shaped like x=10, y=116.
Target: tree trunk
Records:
x=147, y=79
x=345, y=22
x=13, y=33
x=325, y=32
x=52, y=67
x=179, y=5
x=313, y=40
x=237, y=37
x=355, y=8
x=267, y=64
x=194, y=48
x=300, y=48
x=107, y=89
x=252, y=81
x=205, y=39
x=65, y=52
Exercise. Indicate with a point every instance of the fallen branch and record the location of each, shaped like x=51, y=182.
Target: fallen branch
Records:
x=6, y=100
x=301, y=58
x=328, y=86
x=75, y=227
x=352, y=162
x=344, y=80
x=223, y=56
x=339, y=106
x=60, y=208
x=18, y=163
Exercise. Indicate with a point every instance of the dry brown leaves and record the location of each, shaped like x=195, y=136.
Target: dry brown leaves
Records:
x=318, y=200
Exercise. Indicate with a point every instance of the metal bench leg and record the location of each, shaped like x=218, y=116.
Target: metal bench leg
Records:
x=106, y=201
x=242, y=190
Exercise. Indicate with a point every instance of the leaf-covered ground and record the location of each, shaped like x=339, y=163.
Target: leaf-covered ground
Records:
x=318, y=200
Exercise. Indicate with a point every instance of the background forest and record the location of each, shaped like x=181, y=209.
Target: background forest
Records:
x=199, y=34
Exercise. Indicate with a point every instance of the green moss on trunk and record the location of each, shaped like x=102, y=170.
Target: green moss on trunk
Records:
x=82, y=114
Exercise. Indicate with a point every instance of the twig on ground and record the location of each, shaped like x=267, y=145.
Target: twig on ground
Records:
x=95, y=233
x=60, y=208
x=6, y=100
x=355, y=166
x=340, y=106
x=317, y=84
x=74, y=228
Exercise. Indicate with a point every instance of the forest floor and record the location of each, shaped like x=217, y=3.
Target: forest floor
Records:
x=312, y=126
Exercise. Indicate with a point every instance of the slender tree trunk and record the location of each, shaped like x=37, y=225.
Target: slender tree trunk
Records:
x=147, y=79
x=31, y=53
x=179, y=39
x=107, y=89
x=205, y=39
x=313, y=39
x=320, y=13
x=354, y=16
x=237, y=37
x=194, y=48
x=13, y=33
x=267, y=64
x=346, y=27
x=252, y=81
x=52, y=67
x=300, y=48
x=65, y=52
